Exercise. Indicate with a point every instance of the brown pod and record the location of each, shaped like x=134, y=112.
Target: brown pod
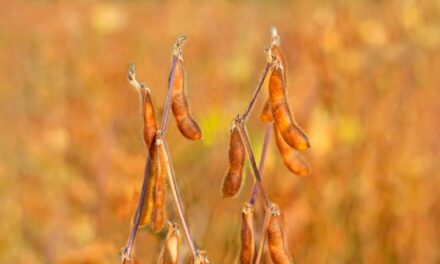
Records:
x=293, y=160
x=148, y=203
x=275, y=238
x=158, y=212
x=150, y=123
x=276, y=51
x=266, y=114
x=247, y=235
x=292, y=133
x=170, y=250
x=234, y=176
x=181, y=110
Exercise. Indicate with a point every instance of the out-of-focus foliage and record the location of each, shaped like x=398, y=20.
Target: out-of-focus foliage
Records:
x=364, y=82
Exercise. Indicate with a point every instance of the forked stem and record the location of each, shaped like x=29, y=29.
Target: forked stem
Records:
x=247, y=145
x=258, y=183
x=262, y=161
x=255, y=191
x=245, y=137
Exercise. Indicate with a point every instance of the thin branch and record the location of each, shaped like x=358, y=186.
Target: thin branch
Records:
x=243, y=120
x=263, y=237
x=126, y=251
x=257, y=91
x=178, y=203
x=245, y=138
x=267, y=134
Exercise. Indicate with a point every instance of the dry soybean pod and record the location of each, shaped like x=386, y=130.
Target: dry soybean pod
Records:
x=275, y=51
x=275, y=238
x=158, y=211
x=148, y=203
x=150, y=123
x=293, y=160
x=234, y=176
x=170, y=250
x=180, y=106
x=247, y=235
x=150, y=130
x=292, y=133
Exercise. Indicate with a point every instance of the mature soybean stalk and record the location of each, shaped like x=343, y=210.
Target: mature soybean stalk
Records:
x=127, y=250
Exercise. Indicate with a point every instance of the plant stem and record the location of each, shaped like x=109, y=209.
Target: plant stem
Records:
x=263, y=237
x=255, y=192
x=245, y=138
x=178, y=203
x=126, y=251
x=244, y=118
x=257, y=91
x=262, y=160
x=258, y=184
x=171, y=174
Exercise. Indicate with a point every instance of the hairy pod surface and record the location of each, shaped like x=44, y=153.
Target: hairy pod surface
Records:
x=180, y=106
x=247, y=235
x=293, y=160
x=275, y=238
x=170, y=250
x=150, y=123
x=234, y=176
x=291, y=132
x=158, y=212
x=266, y=114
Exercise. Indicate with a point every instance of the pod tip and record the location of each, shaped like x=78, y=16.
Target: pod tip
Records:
x=275, y=37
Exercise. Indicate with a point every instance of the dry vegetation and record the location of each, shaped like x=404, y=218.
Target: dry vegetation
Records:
x=363, y=82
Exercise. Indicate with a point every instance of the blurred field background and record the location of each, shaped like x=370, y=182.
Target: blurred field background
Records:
x=364, y=82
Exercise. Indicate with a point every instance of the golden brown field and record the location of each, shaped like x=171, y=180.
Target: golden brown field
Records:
x=364, y=82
